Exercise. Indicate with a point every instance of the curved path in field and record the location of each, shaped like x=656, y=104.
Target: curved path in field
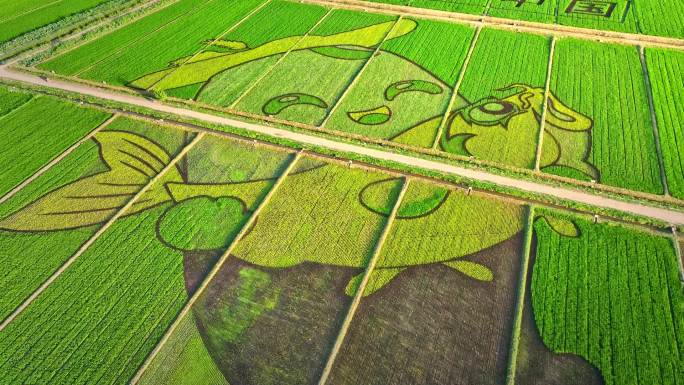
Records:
x=670, y=216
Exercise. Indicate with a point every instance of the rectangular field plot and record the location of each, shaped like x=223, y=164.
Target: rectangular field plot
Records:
x=439, y=305
x=20, y=16
x=35, y=131
x=305, y=85
x=273, y=311
x=143, y=48
x=496, y=116
x=100, y=318
x=662, y=18
x=404, y=91
x=598, y=123
x=219, y=75
x=666, y=72
x=611, y=15
x=603, y=305
x=51, y=217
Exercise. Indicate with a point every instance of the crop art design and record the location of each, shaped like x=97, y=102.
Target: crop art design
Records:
x=474, y=128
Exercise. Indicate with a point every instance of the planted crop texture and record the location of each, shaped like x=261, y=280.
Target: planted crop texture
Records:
x=496, y=116
x=528, y=10
x=404, y=91
x=666, y=71
x=227, y=67
x=89, y=55
x=305, y=85
x=50, y=218
x=605, y=85
x=180, y=38
x=411, y=326
x=18, y=17
x=612, y=296
x=662, y=17
x=10, y=100
x=183, y=360
x=107, y=311
x=39, y=131
x=617, y=15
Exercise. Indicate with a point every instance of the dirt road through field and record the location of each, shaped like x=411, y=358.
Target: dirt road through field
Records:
x=671, y=216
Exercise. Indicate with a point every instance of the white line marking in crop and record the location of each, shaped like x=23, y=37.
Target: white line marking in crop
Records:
x=97, y=234
x=29, y=11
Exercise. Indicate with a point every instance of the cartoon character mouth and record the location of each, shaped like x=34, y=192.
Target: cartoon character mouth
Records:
x=371, y=117
x=276, y=105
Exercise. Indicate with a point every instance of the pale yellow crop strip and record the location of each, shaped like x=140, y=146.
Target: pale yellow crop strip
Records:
x=97, y=234
x=142, y=38
x=214, y=271
x=56, y=160
x=207, y=45
x=520, y=301
x=457, y=86
x=654, y=121
x=273, y=67
x=358, y=74
x=545, y=103
x=362, y=286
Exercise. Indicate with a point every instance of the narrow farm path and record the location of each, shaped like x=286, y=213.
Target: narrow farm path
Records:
x=503, y=23
x=668, y=215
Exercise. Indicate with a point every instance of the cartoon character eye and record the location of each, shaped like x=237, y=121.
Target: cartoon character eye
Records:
x=372, y=117
x=490, y=112
x=398, y=88
x=279, y=103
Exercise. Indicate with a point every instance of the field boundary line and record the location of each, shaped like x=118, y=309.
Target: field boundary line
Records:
x=13, y=111
x=351, y=84
x=214, y=270
x=207, y=45
x=457, y=86
x=545, y=103
x=510, y=24
x=654, y=120
x=98, y=233
x=116, y=52
x=57, y=159
x=30, y=11
x=362, y=286
x=520, y=300
x=272, y=68
x=76, y=33
x=678, y=252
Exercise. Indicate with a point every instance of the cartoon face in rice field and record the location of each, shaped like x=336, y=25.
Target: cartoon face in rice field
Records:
x=505, y=128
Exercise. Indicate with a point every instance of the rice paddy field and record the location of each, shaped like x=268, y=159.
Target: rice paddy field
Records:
x=139, y=248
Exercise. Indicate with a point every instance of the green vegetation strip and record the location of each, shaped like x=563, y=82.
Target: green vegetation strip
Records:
x=520, y=301
x=362, y=286
x=214, y=271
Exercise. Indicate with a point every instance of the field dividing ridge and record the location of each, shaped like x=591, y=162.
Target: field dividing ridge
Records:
x=207, y=44
x=98, y=233
x=454, y=93
x=358, y=74
x=362, y=286
x=214, y=270
x=520, y=301
x=678, y=251
x=654, y=120
x=56, y=159
x=280, y=59
x=547, y=87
